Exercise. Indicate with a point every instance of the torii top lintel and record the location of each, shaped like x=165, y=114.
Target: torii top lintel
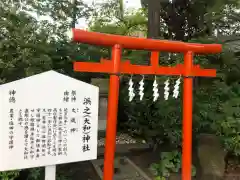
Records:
x=110, y=40
x=128, y=42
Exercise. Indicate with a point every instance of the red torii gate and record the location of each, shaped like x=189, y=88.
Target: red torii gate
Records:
x=115, y=67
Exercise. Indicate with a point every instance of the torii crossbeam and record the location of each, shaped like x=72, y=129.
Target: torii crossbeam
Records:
x=115, y=67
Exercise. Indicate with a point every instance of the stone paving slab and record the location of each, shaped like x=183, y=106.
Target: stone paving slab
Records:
x=125, y=169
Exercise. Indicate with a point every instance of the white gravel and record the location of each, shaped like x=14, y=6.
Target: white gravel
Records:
x=121, y=139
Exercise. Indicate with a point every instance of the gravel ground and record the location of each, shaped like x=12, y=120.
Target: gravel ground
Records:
x=120, y=139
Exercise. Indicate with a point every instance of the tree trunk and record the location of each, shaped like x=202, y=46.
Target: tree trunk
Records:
x=153, y=33
x=74, y=15
x=153, y=22
x=154, y=19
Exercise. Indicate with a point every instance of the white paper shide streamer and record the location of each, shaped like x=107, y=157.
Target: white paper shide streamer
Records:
x=155, y=90
x=166, y=89
x=131, y=93
x=176, y=88
x=141, y=88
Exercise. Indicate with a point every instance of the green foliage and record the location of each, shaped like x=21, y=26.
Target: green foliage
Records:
x=110, y=17
x=38, y=173
x=223, y=113
x=23, y=52
x=170, y=162
x=29, y=46
x=35, y=173
x=9, y=175
x=219, y=113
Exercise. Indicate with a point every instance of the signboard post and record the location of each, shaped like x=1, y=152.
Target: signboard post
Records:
x=47, y=119
x=50, y=172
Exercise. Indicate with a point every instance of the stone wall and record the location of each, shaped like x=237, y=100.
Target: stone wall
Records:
x=103, y=85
